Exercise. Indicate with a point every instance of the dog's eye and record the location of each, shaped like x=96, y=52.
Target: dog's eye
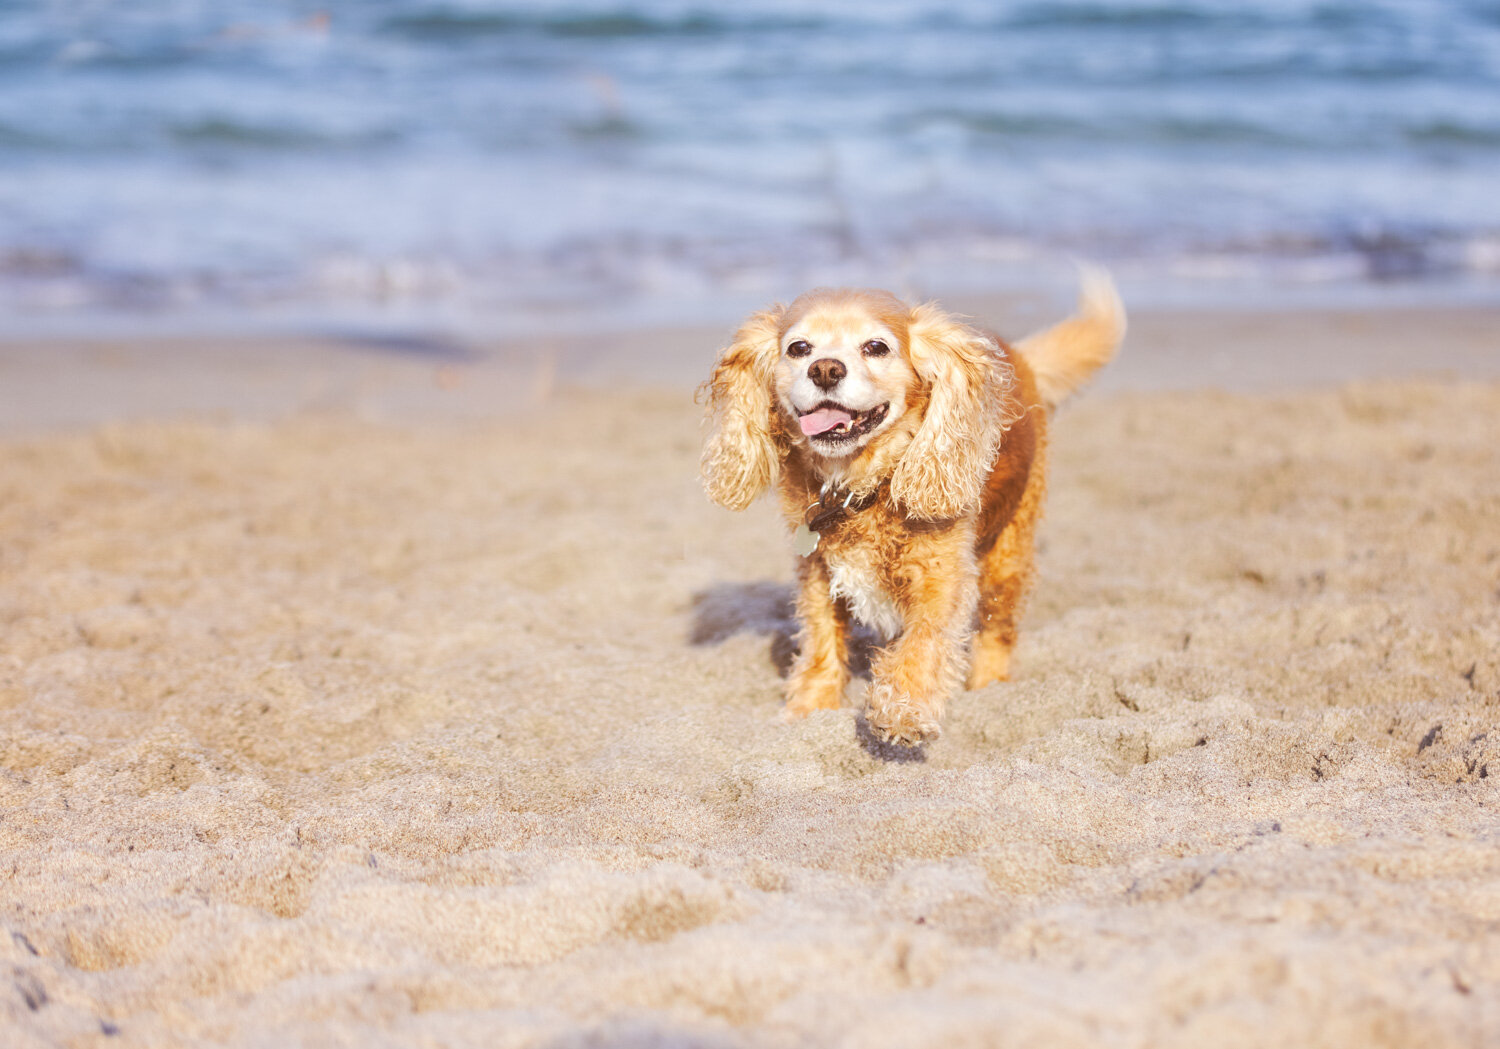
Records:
x=800, y=348
x=875, y=348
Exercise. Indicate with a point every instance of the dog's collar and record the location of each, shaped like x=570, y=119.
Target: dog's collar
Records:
x=834, y=502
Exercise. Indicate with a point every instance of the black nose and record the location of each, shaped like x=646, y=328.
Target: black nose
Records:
x=826, y=372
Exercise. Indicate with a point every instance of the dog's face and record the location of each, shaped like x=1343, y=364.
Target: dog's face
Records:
x=844, y=373
x=855, y=376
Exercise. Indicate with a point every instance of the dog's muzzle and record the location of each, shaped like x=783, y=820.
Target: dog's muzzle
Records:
x=831, y=423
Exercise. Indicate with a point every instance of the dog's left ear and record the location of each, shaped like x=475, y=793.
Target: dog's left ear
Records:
x=944, y=470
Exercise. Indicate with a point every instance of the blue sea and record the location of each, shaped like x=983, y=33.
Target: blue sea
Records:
x=610, y=158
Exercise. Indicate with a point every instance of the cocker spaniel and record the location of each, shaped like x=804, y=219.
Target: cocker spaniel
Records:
x=909, y=452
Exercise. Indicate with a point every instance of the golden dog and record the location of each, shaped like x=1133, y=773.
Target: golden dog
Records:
x=909, y=452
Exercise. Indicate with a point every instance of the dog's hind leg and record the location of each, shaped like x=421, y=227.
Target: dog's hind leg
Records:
x=1006, y=572
x=999, y=610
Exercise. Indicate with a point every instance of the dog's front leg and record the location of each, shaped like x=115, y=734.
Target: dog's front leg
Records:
x=822, y=668
x=913, y=678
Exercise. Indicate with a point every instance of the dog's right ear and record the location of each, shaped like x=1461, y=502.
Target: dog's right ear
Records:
x=743, y=455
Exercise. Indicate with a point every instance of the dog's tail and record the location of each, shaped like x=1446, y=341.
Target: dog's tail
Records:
x=1063, y=356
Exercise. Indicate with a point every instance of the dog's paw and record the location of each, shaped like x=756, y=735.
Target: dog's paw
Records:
x=896, y=719
x=990, y=663
x=903, y=730
x=804, y=701
x=877, y=745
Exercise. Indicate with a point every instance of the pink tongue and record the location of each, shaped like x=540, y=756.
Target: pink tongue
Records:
x=823, y=420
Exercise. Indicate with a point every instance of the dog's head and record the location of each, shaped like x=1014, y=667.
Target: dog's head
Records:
x=849, y=375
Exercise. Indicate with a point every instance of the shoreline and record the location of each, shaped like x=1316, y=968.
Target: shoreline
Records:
x=55, y=383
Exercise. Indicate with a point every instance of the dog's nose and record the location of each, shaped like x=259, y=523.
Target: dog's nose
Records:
x=826, y=373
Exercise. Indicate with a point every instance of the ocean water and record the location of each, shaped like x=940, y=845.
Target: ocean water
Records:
x=502, y=159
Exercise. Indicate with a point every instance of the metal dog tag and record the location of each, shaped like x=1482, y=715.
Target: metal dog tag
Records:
x=804, y=540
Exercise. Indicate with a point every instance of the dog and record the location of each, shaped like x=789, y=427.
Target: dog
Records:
x=908, y=450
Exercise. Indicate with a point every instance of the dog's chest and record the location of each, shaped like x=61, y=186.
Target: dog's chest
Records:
x=852, y=577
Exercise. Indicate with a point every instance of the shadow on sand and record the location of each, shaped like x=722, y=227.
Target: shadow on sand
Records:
x=726, y=610
x=767, y=609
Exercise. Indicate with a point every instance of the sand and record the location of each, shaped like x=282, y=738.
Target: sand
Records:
x=336, y=711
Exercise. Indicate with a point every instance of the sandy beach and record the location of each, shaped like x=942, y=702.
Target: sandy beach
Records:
x=380, y=693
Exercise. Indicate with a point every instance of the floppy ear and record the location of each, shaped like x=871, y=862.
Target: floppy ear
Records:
x=943, y=471
x=743, y=456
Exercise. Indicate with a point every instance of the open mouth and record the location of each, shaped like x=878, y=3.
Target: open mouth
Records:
x=831, y=423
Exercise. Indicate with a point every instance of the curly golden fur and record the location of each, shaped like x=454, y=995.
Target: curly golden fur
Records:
x=918, y=442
